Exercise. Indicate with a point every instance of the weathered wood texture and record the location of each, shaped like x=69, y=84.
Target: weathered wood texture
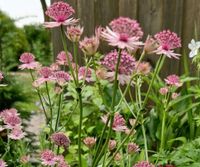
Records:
x=180, y=16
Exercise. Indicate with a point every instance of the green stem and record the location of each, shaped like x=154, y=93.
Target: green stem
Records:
x=145, y=142
x=59, y=111
x=157, y=69
x=80, y=125
x=76, y=58
x=40, y=98
x=66, y=51
x=50, y=107
x=163, y=132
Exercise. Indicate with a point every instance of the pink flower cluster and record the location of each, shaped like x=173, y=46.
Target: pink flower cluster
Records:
x=143, y=164
x=60, y=12
x=133, y=148
x=28, y=61
x=168, y=41
x=89, y=141
x=1, y=76
x=60, y=139
x=62, y=58
x=50, y=159
x=119, y=123
x=74, y=33
x=85, y=73
x=3, y=163
x=12, y=122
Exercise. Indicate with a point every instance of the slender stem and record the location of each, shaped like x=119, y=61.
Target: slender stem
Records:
x=145, y=142
x=50, y=107
x=157, y=69
x=76, y=58
x=80, y=125
x=163, y=131
x=59, y=111
x=40, y=97
x=66, y=51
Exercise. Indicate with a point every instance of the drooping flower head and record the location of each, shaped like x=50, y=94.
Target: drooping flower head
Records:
x=112, y=144
x=143, y=164
x=60, y=139
x=89, y=141
x=119, y=123
x=74, y=33
x=48, y=158
x=168, y=41
x=85, y=73
x=60, y=13
x=3, y=163
x=126, y=66
x=133, y=148
x=61, y=77
x=124, y=33
x=28, y=61
x=62, y=58
x=16, y=134
x=127, y=27
x=173, y=80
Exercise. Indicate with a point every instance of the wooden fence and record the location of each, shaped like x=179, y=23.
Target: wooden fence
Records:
x=180, y=16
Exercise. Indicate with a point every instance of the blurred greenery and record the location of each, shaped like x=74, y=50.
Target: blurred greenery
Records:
x=14, y=41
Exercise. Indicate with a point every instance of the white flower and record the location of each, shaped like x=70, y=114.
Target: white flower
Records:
x=194, y=47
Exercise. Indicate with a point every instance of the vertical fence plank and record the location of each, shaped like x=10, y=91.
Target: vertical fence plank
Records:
x=172, y=20
x=150, y=19
x=128, y=8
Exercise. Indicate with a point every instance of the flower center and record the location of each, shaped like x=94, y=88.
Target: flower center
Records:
x=165, y=47
x=123, y=37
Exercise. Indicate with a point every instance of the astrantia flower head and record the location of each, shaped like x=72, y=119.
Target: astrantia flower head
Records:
x=48, y=158
x=112, y=144
x=133, y=148
x=60, y=12
x=119, y=123
x=164, y=90
x=150, y=45
x=12, y=121
x=89, y=45
x=46, y=74
x=61, y=161
x=126, y=26
x=143, y=164
x=85, y=73
x=143, y=68
x=74, y=33
x=28, y=61
x=61, y=77
x=16, y=134
x=175, y=95
x=126, y=66
x=60, y=139
x=89, y=141
x=3, y=163
x=168, y=41
x=173, y=80
x=62, y=58
x=194, y=47
x=124, y=33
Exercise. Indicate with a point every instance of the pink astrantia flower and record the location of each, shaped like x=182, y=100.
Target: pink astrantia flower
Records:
x=143, y=164
x=1, y=76
x=46, y=74
x=164, y=90
x=112, y=144
x=126, y=66
x=16, y=134
x=61, y=77
x=8, y=112
x=173, y=80
x=48, y=158
x=175, y=95
x=150, y=45
x=85, y=73
x=125, y=25
x=28, y=61
x=133, y=148
x=60, y=139
x=124, y=33
x=168, y=41
x=143, y=68
x=119, y=123
x=89, y=141
x=60, y=12
x=3, y=163
x=74, y=33
x=61, y=161
x=62, y=58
